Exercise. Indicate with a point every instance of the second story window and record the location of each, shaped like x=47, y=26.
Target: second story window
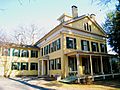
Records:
x=5, y=51
x=85, y=45
x=71, y=43
x=16, y=52
x=103, y=48
x=25, y=53
x=34, y=53
x=87, y=27
x=94, y=46
x=58, y=44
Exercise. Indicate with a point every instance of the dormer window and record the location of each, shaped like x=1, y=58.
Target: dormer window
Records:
x=87, y=27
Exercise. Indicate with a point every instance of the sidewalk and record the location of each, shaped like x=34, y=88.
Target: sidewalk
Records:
x=54, y=85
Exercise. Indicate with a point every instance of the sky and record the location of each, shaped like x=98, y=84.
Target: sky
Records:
x=44, y=13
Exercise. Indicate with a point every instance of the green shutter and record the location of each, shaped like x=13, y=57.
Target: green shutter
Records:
x=13, y=52
x=88, y=45
x=75, y=43
x=82, y=45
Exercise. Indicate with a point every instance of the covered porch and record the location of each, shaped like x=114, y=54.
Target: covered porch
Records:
x=96, y=65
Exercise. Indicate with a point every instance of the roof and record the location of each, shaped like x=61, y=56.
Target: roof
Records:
x=18, y=45
x=67, y=22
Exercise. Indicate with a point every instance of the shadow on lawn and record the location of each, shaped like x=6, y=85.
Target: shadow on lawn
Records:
x=33, y=86
x=115, y=83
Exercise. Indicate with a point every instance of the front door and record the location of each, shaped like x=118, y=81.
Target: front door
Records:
x=45, y=68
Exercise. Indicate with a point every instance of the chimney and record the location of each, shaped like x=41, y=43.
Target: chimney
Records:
x=92, y=16
x=74, y=11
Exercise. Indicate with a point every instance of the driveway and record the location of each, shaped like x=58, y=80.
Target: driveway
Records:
x=11, y=84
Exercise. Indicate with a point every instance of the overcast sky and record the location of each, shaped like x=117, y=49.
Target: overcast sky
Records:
x=44, y=13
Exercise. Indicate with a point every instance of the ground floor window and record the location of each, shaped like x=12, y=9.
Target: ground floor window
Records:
x=72, y=64
x=34, y=66
x=55, y=64
x=15, y=66
x=86, y=65
x=24, y=66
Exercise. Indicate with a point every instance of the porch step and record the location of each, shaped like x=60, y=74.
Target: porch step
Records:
x=69, y=79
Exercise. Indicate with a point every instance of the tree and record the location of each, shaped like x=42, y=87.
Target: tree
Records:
x=112, y=26
x=27, y=34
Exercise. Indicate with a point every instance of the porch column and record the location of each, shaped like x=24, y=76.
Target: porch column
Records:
x=42, y=67
x=78, y=64
x=38, y=67
x=101, y=63
x=48, y=67
x=110, y=61
x=91, y=67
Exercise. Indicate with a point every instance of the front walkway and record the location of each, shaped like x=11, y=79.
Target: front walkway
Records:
x=54, y=85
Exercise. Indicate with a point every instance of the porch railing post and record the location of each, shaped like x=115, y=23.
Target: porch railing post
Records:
x=101, y=63
x=78, y=64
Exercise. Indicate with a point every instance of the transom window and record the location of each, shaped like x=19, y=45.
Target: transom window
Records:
x=95, y=46
x=71, y=43
x=85, y=45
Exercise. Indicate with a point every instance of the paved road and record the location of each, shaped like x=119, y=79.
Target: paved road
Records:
x=11, y=84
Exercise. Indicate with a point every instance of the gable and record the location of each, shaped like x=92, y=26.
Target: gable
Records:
x=79, y=24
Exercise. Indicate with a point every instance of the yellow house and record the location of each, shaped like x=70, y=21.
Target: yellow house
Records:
x=77, y=46
x=18, y=60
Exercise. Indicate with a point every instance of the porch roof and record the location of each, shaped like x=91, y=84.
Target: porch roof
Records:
x=88, y=53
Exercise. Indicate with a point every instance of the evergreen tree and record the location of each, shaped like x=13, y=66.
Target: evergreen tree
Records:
x=112, y=26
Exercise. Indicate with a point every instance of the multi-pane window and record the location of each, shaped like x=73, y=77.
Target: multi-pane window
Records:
x=54, y=46
x=15, y=66
x=87, y=27
x=6, y=52
x=85, y=45
x=71, y=43
x=16, y=52
x=33, y=66
x=52, y=64
x=34, y=53
x=103, y=48
x=25, y=53
x=58, y=44
x=95, y=46
x=42, y=52
x=58, y=63
x=24, y=66
x=55, y=64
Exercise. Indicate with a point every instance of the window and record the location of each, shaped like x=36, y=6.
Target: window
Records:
x=34, y=53
x=25, y=53
x=46, y=50
x=42, y=52
x=15, y=66
x=95, y=46
x=85, y=45
x=103, y=48
x=49, y=48
x=58, y=63
x=71, y=43
x=6, y=52
x=58, y=44
x=24, y=66
x=16, y=52
x=87, y=27
x=52, y=64
x=34, y=66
